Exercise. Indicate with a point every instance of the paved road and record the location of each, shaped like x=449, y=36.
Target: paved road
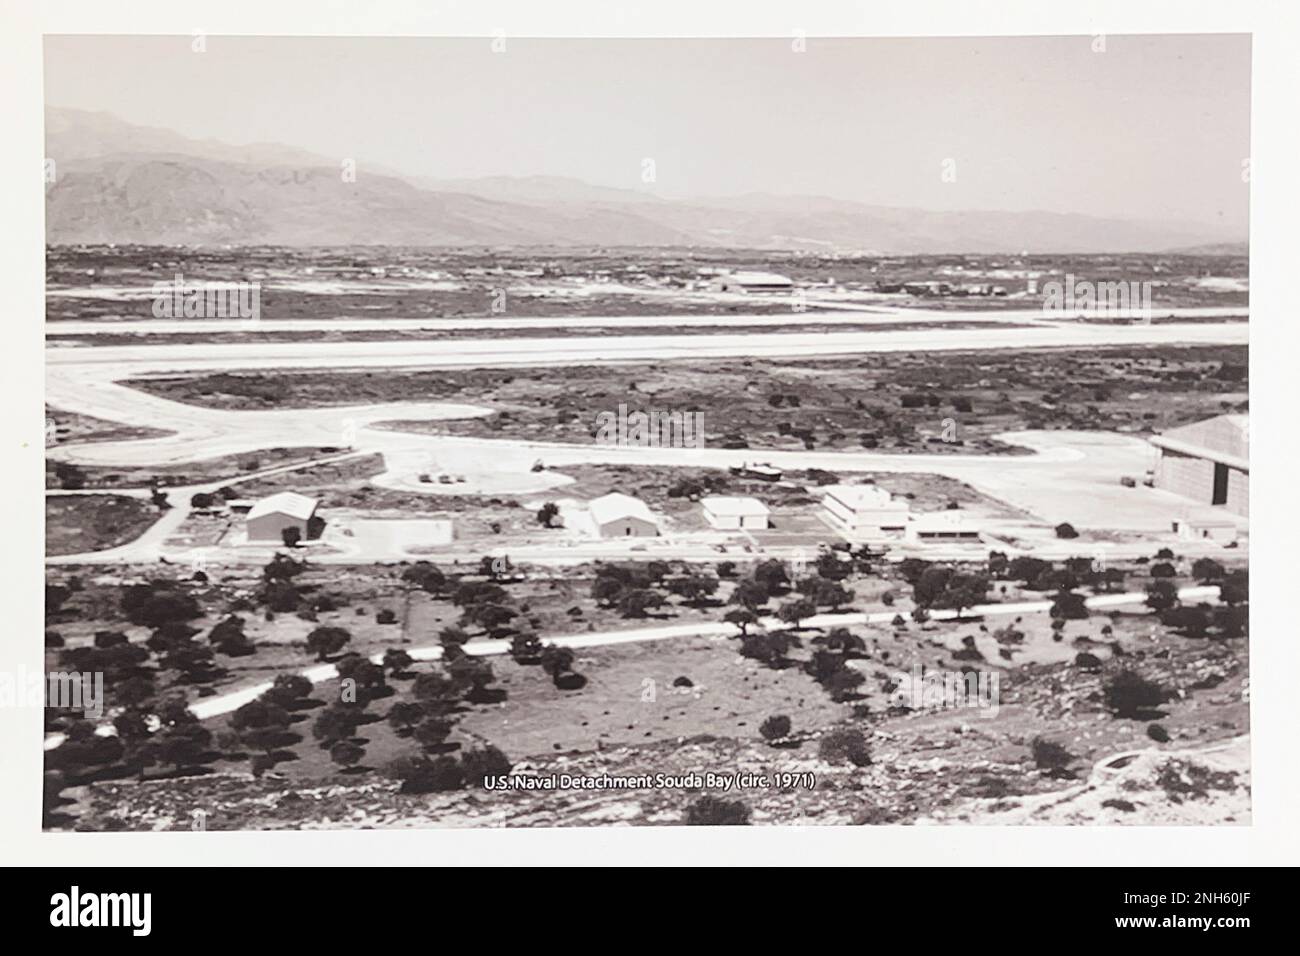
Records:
x=1071, y=477
x=150, y=546
x=125, y=360
x=731, y=320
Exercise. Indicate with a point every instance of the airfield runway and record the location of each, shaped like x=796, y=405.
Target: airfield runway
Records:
x=1069, y=477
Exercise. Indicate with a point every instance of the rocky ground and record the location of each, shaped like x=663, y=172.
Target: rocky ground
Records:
x=934, y=767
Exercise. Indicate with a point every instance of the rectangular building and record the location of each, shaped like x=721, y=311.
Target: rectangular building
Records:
x=867, y=510
x=735, y=513
x=946, y=527
x=1207, y=462
x=619, y=516
x=270, y=516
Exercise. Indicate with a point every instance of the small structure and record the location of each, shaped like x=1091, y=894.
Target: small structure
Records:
x=268, y=519
x=1219, y=530
x=733, y=513
x=622, y=516
x=752, y=282
x=758, y=471
x=867, y=510
x=1208, y=462
x=942, y=526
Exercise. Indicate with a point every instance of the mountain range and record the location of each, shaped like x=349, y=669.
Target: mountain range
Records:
x=117, y=182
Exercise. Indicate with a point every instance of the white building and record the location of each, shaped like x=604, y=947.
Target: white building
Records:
x=752, y=282
x=1218, y=530
x=620, y=516
x=270, y=516
x=732, y=513
x=867, y=510
x=942, y=526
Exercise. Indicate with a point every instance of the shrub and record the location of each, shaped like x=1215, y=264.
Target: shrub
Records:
x=484, y=762
x=287, y=689
x=396, y=660
x=776, y=727
x=1066, y=530
x=324, y=641
x=711, y=811
x=1049, y=755
x=1129, y=694
x=845, y=745
x=347, y=753
x=1087, y=662
x=419, y=774
x=1207, y=570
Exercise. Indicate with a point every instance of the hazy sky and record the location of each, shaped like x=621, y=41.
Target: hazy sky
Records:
x=1155, y=127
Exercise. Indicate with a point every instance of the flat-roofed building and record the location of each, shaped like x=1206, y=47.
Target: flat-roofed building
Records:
x=942, y=526
x=867, y=510
x=1219, y=530
x=735, y=513
x=1207, y=462
x=618, y=516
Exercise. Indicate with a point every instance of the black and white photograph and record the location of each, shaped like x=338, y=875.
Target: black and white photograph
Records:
x=650, y=431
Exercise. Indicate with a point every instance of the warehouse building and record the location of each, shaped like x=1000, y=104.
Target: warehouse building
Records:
x=622, y=516
x=866, y=510
x=270, y=516
x=1207, y=462
x=752, y=282
x=732, y=513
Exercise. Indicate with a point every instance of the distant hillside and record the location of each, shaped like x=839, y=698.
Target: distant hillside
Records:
x=1215, y=249
x=117, y=182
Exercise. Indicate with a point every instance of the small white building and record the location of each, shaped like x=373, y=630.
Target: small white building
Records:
x=270, y=516
x=621, y=516
x=735, y=513
x=1218, y=530
x=752, y=282
x=942, y=527
x=867, y=510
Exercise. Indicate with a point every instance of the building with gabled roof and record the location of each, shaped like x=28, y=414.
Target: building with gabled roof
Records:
x=270, y=516
x=1207, y=462
x=618, y=516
